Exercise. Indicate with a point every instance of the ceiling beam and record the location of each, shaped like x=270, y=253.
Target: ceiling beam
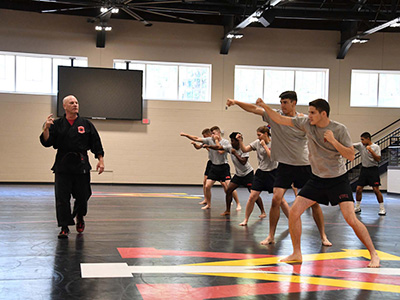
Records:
x=345, y=46
x=256, y=16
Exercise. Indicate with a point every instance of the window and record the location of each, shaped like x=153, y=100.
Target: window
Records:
x=32, y=73
x=375, y=88
x=269, y=82
x=172, y=81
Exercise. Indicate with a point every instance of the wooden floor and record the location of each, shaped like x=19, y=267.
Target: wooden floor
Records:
x=154, y=242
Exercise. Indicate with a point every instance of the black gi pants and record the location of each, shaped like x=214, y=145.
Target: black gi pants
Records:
x=77, y=185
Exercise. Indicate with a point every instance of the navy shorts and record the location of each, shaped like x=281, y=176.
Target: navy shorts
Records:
x=219, y=172
x=288, y=174
x=328, y=190
x=369, y=176
x=264, y=181
x=246, y=180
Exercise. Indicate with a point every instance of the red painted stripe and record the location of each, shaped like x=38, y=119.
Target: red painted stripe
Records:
x=186, y=292
x=155, y=253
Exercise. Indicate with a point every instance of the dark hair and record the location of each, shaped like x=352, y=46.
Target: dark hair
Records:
x=264, y=129
x=321, y=105
x=291, y=95
x=366, y=135
x=233, y=135
x=215, y=128
x=206, y=131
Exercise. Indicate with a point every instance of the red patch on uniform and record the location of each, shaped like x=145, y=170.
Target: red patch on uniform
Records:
x=81, y=129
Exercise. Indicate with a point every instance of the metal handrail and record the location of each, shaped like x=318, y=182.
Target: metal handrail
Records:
x=384, y=128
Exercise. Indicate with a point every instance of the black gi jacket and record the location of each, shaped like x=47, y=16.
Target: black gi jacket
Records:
x=72, y=144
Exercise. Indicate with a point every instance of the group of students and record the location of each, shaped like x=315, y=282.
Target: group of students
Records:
x=307, y=153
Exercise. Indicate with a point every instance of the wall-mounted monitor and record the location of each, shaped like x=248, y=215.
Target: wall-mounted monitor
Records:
x=102, y=93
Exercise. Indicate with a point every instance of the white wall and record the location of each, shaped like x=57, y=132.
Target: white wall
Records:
x=136, y=153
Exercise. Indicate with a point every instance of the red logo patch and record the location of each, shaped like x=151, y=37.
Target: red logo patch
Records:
x=81, y=129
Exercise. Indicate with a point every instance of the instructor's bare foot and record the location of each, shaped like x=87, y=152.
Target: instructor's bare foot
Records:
x=268, y=241
x=203, y=202
x=206, y=207
x=293, y=258
x=226, y=213
x=238, y=207
x=244, y=223
x=375, y=261
x=263, y=215
x=326, y=242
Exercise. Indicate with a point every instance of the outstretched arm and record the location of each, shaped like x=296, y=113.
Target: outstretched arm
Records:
x=346, y=152
x=276, y=117
x=197, y=146
x=242, y=146
x=214, y=147
x=192, y=137
x=246, y=106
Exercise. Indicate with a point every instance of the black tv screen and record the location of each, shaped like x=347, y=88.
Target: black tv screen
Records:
x=102, y=93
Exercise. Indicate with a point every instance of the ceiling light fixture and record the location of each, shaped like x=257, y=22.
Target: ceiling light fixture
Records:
x=105, y=28
x=359, y=41
x=234, y=35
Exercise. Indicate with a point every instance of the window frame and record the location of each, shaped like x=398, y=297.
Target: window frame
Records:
x=325, y=86
x=378, y=82
x=163, y=63
x=52, y=57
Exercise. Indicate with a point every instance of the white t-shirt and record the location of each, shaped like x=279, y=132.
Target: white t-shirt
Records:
x=213, y=155
x=367, y=160
x=290, y=144
x=264, y=162
x=325, y=160
x=241, y=170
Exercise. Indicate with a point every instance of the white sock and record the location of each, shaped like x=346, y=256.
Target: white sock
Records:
x=381, y=206
x=358, y=203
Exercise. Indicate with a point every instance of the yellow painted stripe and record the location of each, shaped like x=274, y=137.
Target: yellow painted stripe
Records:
x=308, y=257
x=313, y=280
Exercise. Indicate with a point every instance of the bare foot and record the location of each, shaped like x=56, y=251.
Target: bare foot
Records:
x=375, y=261
x=238, y=207
x=268, y=241
x=326, y=242
x=206, y=207
x=293, y=258
x=226, y=213
x=244, y=223
x=203, y=202
x=263, y=215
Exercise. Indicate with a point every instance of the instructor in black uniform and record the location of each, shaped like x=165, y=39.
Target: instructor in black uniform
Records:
x=72, y=136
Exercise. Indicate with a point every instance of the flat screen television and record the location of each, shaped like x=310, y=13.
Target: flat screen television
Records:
x=102, y=93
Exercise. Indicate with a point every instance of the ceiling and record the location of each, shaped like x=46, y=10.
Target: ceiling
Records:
x=350, y=17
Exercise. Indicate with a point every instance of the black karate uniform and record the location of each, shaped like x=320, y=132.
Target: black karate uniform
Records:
x=71, y=166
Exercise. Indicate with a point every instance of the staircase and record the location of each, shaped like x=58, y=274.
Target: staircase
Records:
x=391, y=138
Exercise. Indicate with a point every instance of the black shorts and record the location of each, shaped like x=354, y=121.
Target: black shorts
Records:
x=369, y=176
x=328, y=190
x=246, y=180
x=288, y=174
x=208, y=167
x=219, y=172
x=264, y=181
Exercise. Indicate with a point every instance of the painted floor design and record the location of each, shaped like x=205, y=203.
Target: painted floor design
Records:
x=154, y=242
